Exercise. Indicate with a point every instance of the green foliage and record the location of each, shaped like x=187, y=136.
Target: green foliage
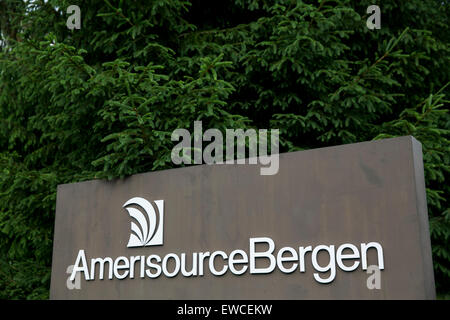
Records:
x=429, y=123
x=102, y=101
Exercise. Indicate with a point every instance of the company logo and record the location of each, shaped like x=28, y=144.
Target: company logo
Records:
x=147, y=229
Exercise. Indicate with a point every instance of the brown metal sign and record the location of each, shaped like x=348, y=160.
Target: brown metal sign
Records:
x=346, y=222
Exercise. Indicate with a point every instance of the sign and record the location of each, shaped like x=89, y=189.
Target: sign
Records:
x=346, y=222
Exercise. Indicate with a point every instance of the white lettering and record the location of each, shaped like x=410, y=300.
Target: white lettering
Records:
x=266, y=254
x=261, y=260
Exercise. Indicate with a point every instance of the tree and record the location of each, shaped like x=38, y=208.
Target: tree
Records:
x=101, y=102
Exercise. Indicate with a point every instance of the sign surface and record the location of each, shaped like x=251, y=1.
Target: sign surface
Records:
x=312, y=231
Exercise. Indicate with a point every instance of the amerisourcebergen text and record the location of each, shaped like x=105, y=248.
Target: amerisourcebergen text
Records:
x=286, y=259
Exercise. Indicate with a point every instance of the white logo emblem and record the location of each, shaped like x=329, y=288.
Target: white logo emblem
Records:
x=150, y=229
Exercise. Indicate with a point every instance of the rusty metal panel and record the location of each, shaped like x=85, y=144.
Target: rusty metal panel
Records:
x=356, y=193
